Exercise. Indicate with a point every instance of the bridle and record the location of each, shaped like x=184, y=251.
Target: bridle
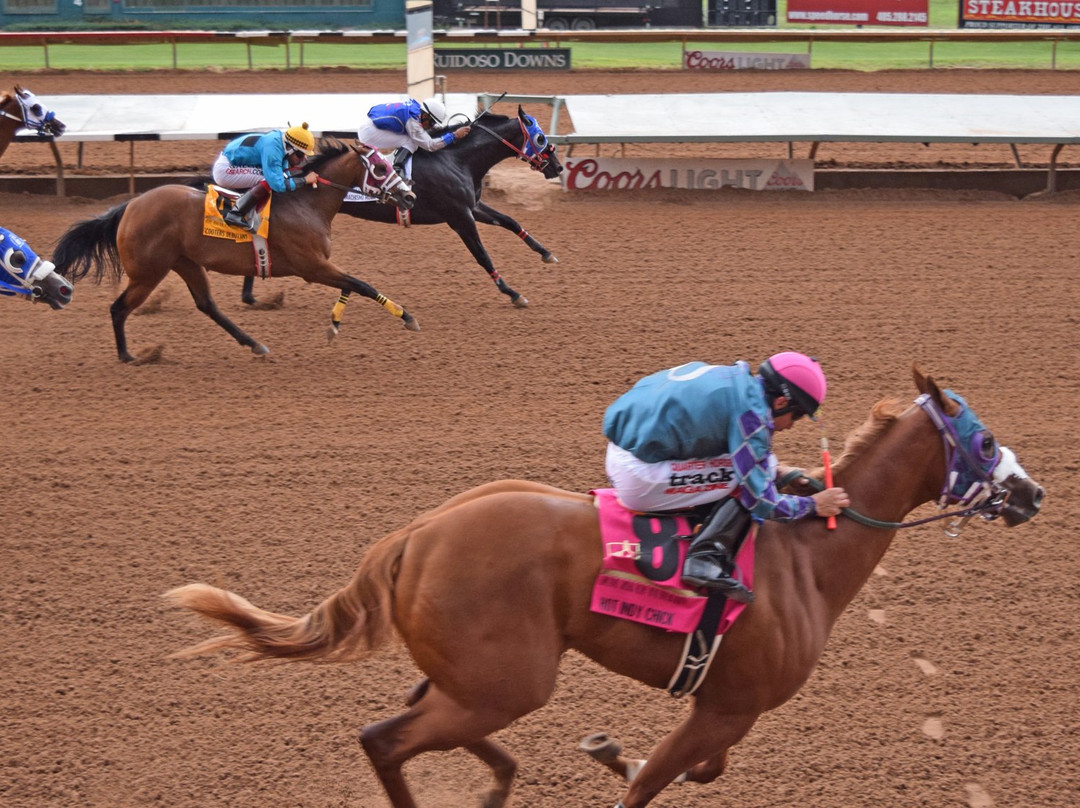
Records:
x=985, y=497
x=38, y=123
x=538, y=161
x=390, y=180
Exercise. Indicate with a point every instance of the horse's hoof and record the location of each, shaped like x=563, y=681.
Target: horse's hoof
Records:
x=410, y=323
x=259, y=349
x=601, y=747
x=331, y=332
x=520, y=302
x=550, y=259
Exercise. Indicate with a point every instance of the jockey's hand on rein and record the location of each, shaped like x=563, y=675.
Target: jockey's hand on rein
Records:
x=312, y=179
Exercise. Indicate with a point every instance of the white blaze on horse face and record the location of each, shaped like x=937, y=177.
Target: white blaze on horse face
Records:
x=1008, y=467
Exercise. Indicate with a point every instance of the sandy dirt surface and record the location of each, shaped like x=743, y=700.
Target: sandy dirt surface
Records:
x=951, y=680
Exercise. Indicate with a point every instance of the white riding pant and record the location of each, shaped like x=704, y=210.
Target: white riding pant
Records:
x=670, y=484
x=237, y=178
x=371, y=135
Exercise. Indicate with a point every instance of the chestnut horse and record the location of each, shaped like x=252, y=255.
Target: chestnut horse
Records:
x=20, y=109
x=489, y=589
x=162, y=230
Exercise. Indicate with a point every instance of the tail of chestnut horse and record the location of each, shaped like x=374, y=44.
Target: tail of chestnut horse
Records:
x=91, y=244
x=350, y=623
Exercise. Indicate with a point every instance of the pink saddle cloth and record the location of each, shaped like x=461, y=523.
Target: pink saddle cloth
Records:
x=641, y=573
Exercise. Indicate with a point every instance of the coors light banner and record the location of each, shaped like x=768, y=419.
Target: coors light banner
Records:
x=859, y=12
x=629, y=174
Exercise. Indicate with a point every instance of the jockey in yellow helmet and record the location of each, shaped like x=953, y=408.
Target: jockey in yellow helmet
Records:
x=262, y=163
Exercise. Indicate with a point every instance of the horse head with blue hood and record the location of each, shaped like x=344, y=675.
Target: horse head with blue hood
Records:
x=23, y=273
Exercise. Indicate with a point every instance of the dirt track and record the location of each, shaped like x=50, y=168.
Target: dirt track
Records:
x=951, y=680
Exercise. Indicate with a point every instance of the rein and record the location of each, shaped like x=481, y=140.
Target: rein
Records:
x=987, y=506
x=870, y=521
x=338, y=185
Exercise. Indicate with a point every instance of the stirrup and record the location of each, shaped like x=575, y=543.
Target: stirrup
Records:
x=231, y=217
x=709, y=573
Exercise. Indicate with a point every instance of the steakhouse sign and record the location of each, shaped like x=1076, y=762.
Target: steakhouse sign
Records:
x=859, y=12
x=628, y=174
x=1019, y=14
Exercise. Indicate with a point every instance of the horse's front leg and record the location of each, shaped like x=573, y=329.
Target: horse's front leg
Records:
x=703, y=738
x=329, y=275
x=465, y=227
x=336, y=315
x=485, y=214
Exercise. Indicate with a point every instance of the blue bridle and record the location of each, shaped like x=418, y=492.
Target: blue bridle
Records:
x=34, y=115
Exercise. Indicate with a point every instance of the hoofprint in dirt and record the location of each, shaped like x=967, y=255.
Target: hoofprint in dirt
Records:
x=942, y=683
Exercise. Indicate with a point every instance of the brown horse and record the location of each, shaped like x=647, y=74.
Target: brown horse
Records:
x=489, y=589
x=20, y=109
x=162, y=230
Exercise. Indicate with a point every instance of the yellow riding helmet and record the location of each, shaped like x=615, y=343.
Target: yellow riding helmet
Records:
x=300, y=139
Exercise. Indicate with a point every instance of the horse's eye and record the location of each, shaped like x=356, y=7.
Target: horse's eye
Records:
x=988, y=446
x=36, y=109
x=540, y=139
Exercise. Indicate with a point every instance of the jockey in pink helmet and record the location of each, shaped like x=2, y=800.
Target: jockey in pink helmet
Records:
x=798, y=378
x=700, y=436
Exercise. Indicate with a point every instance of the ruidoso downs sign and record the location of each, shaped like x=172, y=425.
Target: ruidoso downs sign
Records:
x=505, y=59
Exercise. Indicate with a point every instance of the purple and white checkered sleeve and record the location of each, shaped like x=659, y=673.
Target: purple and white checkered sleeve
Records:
x=757, y=489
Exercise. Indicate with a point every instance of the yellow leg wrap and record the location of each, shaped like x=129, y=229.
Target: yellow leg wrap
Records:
x=390, y=305
x=339, y=309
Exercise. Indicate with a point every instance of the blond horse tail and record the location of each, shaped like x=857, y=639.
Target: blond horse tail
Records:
x=356, y=620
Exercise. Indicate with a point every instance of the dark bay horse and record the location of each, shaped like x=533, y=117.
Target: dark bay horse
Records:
x=449, y=182
x=20, y=109
x=162, y=230
x=490, y=588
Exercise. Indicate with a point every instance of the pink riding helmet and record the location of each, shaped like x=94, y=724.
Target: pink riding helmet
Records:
x=797, y=377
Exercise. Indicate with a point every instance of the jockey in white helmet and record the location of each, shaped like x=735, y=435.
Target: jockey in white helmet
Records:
x=403, y=126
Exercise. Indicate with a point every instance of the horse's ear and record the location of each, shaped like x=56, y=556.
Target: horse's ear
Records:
x=920, y=377
x=521, y=112
x=926, y=384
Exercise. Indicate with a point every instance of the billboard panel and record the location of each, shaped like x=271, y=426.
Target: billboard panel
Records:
x=1018, y=14
x=859, y=12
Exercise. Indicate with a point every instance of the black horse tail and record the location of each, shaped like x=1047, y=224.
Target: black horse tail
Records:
x=91, y=244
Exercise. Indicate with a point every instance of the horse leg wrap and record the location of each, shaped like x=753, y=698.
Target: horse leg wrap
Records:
x=390, y=305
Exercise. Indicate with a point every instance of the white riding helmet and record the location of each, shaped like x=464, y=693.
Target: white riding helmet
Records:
x=435, y=109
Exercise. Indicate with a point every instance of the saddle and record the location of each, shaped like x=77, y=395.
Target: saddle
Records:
x=640, y=580
x=217, y=201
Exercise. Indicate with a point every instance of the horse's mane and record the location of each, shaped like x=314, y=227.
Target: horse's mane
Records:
x=882, y=416
x=329, y=148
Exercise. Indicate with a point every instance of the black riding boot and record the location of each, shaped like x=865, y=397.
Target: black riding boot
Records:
x=709, y=562
x=239, y=215
x=401, y=157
